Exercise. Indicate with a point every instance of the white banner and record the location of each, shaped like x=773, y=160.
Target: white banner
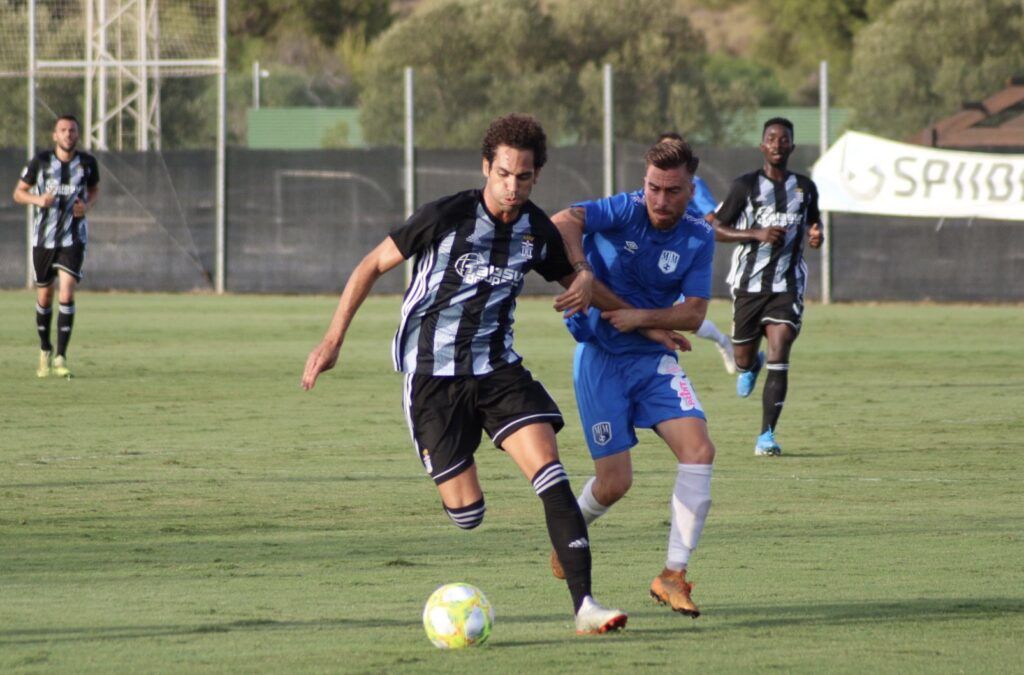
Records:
x=867, y=174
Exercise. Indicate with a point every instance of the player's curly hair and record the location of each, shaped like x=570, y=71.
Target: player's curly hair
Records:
x=519, y=131
x=672, y=153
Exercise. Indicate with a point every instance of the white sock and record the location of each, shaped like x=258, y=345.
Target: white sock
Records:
x=589, y=506
x=691, y=499
x=709, y=331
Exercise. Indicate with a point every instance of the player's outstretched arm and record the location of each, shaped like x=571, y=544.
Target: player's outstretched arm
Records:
x=325, y=355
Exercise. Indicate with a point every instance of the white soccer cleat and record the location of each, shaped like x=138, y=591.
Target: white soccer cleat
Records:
x=727, y=357
x=593, y=619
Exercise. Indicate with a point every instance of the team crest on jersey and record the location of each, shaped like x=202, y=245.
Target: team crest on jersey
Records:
x=527, y=249
x=601, y=432
x=632, y=247
x=426, y=461
x=668, y=262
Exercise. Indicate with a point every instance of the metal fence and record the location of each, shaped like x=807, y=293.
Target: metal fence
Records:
x=299, y=222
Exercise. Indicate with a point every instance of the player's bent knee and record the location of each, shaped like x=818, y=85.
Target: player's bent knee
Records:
x=468, y=517
x=613, y=488
x=703, y=453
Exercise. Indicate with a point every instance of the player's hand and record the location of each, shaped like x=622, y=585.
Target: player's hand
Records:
x=624, y=320
x=78, y=208
x=577, y=297
x=323, y=357
x=770, y=235
x=667, y=338
x=47, y=199
x=815, y=236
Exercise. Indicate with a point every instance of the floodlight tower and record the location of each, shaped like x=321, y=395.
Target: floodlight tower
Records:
x=122, y=78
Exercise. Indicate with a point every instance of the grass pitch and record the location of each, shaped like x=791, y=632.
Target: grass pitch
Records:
x=182, y=506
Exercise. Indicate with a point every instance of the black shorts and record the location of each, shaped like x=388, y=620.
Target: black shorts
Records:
x=447, y=415
x=46, y=262
x=751, y=311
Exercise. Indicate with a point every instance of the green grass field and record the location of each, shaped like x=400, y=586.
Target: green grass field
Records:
x=182, y=506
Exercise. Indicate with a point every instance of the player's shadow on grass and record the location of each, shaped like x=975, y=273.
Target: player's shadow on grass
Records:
x=59, y=634
x=649, y=622
x=724, y=618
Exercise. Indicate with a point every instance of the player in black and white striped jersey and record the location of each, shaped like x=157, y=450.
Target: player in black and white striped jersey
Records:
x=454, y=344
x=768, y=212
x=62, y=184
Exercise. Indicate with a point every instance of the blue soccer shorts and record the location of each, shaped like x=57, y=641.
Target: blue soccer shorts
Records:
x=617, y=393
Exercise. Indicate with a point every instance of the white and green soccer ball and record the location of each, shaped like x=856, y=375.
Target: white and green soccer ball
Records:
x=458, y=616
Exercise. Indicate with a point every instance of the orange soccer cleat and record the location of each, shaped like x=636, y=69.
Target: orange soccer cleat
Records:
x=671, y=588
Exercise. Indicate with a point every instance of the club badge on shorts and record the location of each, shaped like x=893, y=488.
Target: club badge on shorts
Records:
x=601, y=432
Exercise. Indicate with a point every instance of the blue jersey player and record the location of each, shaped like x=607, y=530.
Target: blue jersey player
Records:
x=703, y=205
x=646, y=252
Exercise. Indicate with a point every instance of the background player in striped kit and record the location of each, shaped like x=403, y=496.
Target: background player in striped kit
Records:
x=454, y=344
x=647, y=250
x=768, y=213
x=62, y=184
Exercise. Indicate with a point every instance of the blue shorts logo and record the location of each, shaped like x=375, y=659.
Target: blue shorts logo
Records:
x=601, y=432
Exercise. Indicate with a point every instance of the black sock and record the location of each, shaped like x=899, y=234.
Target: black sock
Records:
x=65, y=319
x=566, y=527
x=775, y=385
x=43, y=317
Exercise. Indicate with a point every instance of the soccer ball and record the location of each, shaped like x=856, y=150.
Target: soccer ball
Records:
x=458, y=616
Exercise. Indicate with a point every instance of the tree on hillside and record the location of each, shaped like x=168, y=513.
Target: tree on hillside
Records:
x=659, y=62
x=314, y=48
x=801, y=34
x=473, y=59
x=476, y=59
x=959, y=50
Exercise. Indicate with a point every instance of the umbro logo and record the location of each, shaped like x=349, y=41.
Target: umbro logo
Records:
x=579, y=543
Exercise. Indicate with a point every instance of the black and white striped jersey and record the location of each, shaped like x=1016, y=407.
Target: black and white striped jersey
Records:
x=756, y=201
x=57, y=226
x=458, y=311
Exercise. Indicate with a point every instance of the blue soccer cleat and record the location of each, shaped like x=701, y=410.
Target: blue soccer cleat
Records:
x=745, y=381
x=767, y=446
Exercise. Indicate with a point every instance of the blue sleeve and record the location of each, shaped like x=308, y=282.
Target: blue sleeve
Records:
x=697, y=282
x=703, y=201
x=607, y=213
